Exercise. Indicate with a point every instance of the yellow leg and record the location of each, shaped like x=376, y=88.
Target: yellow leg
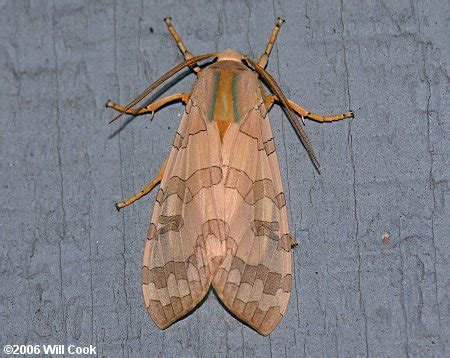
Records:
x=151, y=108
x=148, y=188
x=265, y=56
x=270, y=99
x=187, y=55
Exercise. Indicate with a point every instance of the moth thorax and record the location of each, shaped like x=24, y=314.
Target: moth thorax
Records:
x=229, y=55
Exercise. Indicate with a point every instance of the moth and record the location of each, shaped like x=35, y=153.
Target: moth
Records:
x=220, y=215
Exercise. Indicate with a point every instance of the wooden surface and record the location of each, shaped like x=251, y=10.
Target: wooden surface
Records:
x=70, y=264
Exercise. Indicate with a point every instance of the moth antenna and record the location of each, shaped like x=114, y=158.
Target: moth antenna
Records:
x=273, y=85
x=265, y=56
x=161, y=80
x=186, y=53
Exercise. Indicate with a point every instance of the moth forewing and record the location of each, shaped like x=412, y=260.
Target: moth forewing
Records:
x=254, y=278
x=177, y=261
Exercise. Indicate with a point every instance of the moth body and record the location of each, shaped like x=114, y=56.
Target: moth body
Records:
x=220, y=217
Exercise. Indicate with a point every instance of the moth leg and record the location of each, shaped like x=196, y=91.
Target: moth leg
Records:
x=187, y=55
x=151, y=108
x=265, y=56
x=318, y=118
x=303, y=113
x=148, y=188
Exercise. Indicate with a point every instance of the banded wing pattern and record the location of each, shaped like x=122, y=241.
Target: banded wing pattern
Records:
x=254, y=279
x=220, y=215
x=187, y=231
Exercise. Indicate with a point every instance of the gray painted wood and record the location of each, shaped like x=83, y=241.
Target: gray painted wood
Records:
x=70, y=264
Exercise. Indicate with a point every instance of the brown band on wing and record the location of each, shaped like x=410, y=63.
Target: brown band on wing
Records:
x=261, y=272
x=253, y=132
x=261, y=189
x=152, y=231
x=270, y=284
x=186, y=139
x=157, y=277
x=286, y=283
x=186, y=190
x=196, y=125
x=174, y=274
x=248, y=276
x=145, y=275
x=204, y=178
x=265, y=228
x=281, y=200
x=178, y=141
x=175, y=186
x=239, y=180
x=269, y=146
x=250, y=191
x=240, y=272
x=171, y=223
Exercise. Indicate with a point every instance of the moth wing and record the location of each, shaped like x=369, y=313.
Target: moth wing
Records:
x=254, y=279
x=186, y=236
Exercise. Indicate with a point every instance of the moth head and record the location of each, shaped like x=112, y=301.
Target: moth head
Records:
x=230, y=55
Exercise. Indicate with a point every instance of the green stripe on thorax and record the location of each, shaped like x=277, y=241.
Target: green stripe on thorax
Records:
x=235, y=97
x=214, y=96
